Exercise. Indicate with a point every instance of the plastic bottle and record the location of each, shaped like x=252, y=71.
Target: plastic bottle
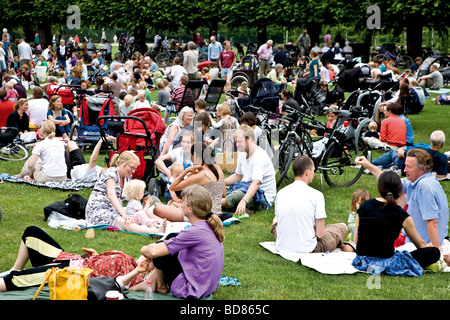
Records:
x=149, y=291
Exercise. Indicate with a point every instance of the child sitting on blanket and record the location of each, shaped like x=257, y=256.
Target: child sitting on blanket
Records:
x=134, y=192
x=358, y=197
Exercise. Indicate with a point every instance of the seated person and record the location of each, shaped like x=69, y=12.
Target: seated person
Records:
x=372, y=131
x=434, y=80
x=47, y=161
x=397, y=157
x=443, y=99
x=299, y=223
x=253, y=183
x=392, y=131
x=18, y=118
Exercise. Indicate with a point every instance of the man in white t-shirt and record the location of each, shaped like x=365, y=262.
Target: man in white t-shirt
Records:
x=253, y=182
x=37, y=107
x=176, y=73
x=299, y=223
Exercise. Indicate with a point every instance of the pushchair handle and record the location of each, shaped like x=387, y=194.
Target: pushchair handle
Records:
x=147, y=136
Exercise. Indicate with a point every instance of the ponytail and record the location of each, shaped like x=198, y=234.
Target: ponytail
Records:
x=390, y=188
x=216, y=225
x=200, y=200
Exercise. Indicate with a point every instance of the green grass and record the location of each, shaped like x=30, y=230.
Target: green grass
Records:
x=263, y=275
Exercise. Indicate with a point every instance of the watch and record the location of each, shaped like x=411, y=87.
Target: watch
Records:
x=245, y=199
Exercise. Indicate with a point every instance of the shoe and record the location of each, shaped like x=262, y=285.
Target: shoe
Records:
x=5, y=273
x=366, y=171
x=90, y=234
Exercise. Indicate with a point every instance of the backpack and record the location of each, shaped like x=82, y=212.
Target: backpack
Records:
x=74, y=207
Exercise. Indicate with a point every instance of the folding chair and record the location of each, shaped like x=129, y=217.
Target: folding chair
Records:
x=191, y=93
x=212, y=98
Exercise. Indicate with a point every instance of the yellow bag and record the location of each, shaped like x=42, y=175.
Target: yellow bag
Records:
x=67, y=283
x=227, y=161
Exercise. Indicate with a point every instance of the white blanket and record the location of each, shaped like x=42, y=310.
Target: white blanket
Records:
x=336, y=262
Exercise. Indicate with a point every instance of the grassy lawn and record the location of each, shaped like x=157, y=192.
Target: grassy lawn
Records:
x=263, y=276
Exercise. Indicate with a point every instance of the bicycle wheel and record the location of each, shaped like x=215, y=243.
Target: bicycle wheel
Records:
x=237, y=81
x=13, y=152
x=283, y=159
x=162, y=57
x=338, y=165
x=404, y=62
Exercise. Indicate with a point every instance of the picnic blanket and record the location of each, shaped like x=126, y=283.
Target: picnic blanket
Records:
x=57, y=220
x=68, y=185
x=336, y=262
x=28, y=294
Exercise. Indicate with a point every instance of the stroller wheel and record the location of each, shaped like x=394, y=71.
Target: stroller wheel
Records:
x=314, y=111
x=153, y=187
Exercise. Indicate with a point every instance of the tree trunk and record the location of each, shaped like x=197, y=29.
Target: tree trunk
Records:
x=262, y=35
x=414, y=28
x=140, y=34
x=314, y=30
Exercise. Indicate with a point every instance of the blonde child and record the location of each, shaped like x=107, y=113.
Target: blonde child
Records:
x=134, y=192
x=163, y=87
x=372, y=130
x=175, y=170
x=141, y=101
x=11, y=93
x=358, y=197
x=227, y=125
x=126, y=105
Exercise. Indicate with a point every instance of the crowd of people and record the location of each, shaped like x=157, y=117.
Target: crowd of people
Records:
x=198, y=190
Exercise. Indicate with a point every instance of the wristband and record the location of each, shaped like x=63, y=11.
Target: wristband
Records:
x=246, y=200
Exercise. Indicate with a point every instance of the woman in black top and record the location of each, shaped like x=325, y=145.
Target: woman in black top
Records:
x=19, y=118
x=378, y=224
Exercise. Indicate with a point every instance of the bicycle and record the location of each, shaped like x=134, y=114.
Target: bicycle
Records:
x=333, y=156
x=402, y=61
x=11, y=149
x=167, y=56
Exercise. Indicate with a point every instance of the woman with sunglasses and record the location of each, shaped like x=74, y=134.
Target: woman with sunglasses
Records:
x=105, y=202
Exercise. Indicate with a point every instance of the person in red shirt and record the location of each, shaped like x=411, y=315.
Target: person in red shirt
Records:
x=392, y=131
x=6, y=107
x=227, y=59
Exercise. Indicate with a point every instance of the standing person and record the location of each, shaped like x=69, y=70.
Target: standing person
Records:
x=61, y=53
x=314, y=64
x=178, y=258
x=8, y=51
x=327, y=38
x=3, y=57
x=378, y=224
x=227, y=59
x=214, y=49
x=304, y=42
x=190, y=61
x=264, y=52
x=299, y=223
x=47, y=162
x=425, y=197
x=25, y=53
x=253, y=183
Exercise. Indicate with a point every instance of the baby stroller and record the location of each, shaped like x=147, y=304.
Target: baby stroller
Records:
x=247, y=72
x=140, y=130
x=85, y=129
x=309, y=95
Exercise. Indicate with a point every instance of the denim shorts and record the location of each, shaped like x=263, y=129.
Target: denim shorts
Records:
x=226, y=72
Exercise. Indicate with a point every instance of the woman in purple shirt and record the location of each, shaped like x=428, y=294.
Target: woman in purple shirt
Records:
x=190, y=263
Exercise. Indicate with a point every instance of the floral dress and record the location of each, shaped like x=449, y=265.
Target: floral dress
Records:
x=99, y=209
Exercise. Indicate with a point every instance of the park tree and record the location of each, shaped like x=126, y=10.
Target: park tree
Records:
x=32, y=16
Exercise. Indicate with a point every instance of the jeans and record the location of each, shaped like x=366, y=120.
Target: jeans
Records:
x=60, y=130
x=387, y=160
